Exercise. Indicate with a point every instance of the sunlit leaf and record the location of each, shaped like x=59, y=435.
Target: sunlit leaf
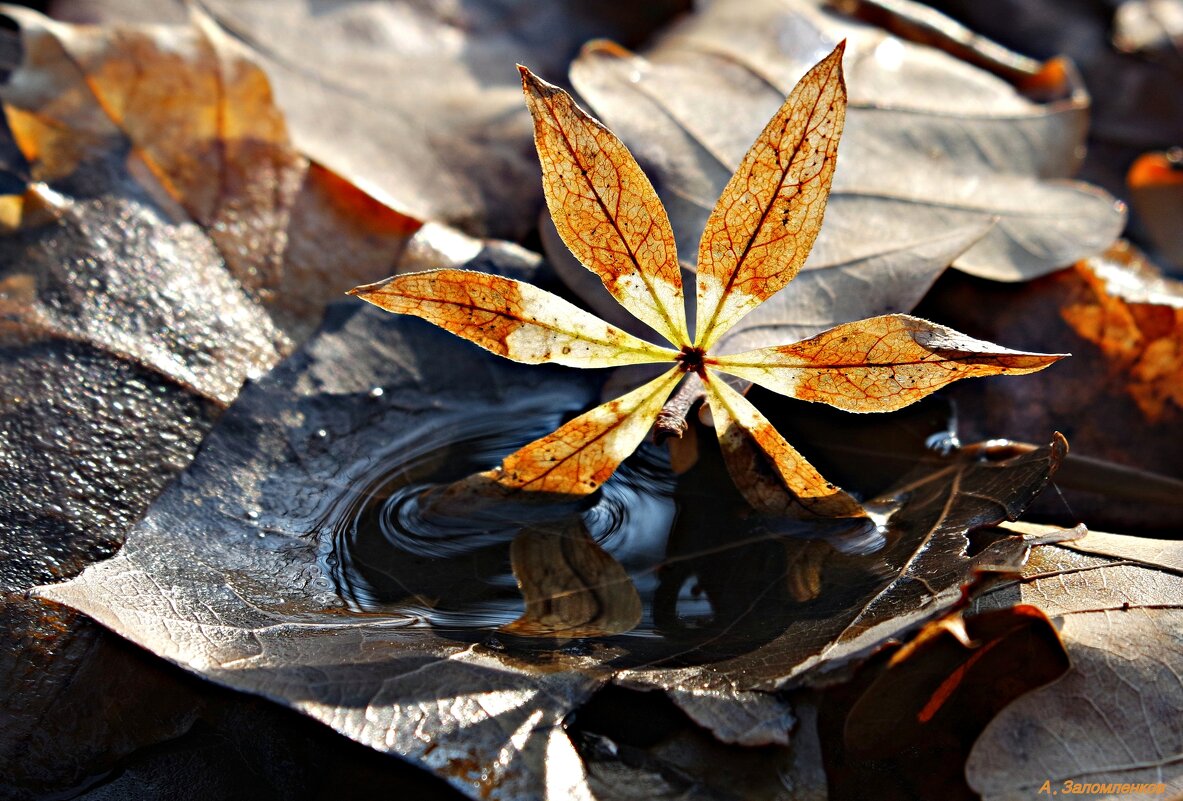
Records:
x=606, y=210
x=510, y=318
x=756, y=241
x=878, y=365
x=764, y=224
x=580, y=456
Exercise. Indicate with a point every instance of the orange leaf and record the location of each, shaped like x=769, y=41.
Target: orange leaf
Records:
x=878, y=365
x=582, y=454
x=605, y=209
x=511, y=318
x=772, y=476
x=764, y=224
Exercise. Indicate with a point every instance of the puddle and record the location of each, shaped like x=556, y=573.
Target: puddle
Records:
x=712, y=578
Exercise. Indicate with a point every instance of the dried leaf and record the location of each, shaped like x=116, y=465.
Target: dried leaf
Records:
x=510, y=318
x=1135, y=316
x=581, y=455
x=1113, y=719
x=763, y=226
x=605, y=209
x=878, y=365
x=571, y=586
x=451, y=145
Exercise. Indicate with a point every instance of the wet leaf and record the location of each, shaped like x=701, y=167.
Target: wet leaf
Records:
x=571, y=586
x=932, y=145
x=865, y=600
x=281, y=462
x=1114, y=717
x=279, y=566
x=762, y=228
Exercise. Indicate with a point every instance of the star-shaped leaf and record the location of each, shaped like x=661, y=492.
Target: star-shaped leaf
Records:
x=755, y=242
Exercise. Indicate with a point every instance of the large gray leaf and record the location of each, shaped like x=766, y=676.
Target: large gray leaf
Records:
x=226, y=575
x=287, y=563
x=1116, y=717
x=932, y=145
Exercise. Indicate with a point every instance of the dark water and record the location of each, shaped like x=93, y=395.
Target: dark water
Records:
x=706, y=570
x=390, y=555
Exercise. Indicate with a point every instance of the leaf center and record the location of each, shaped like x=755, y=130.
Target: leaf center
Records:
x=690, y=360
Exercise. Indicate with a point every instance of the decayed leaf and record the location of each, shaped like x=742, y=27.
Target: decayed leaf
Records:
x=756, y=240
x=932, y=144
x=907, y=728
x=1113, y=719
x=1135, y=316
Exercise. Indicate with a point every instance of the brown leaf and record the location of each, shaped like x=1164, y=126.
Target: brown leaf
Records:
x=605, y=209
x=571, y=586
x=909, y=726
x=772, y=476
x=199, y=115
x=1113, y=718
x=417, y=104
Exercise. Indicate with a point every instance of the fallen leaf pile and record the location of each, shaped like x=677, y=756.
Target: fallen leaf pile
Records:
x=755, y=242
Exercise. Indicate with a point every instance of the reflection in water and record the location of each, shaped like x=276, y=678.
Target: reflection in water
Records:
x=713, y=579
